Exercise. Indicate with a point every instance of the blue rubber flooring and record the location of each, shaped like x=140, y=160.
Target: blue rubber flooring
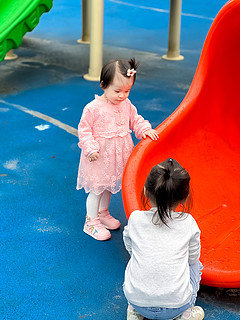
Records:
x=51, y=270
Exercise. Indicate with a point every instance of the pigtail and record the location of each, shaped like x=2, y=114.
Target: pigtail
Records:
x=164, y=194
x=162, y=214
x=128, y=68
x=133, y=64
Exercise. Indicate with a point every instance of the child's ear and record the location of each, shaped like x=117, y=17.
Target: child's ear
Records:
x=101, y=84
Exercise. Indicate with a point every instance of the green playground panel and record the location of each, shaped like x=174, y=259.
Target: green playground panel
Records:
x=18, y=17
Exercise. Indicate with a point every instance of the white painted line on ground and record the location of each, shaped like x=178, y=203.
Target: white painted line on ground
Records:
x=40, y=115
x=160, y=10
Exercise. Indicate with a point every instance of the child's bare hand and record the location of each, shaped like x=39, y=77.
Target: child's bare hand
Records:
x=94, y=156
x=151, y=134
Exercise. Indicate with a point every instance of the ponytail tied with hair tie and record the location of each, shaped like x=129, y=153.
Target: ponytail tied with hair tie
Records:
x=168, y=169
x=167, y=174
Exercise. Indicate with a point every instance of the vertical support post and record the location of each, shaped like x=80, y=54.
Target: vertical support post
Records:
x=173, y=52
x=96, y=41
x=85, y=22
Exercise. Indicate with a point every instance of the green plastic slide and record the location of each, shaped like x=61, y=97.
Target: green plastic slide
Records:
x=18, y=17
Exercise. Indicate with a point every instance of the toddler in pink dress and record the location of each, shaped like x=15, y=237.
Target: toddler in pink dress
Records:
x=105, y=139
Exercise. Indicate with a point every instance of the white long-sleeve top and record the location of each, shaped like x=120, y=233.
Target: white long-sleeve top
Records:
x=157, y=274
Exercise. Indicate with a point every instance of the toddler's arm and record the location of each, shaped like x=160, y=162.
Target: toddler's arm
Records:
x=126, y=239
x=141, y=127
x=194, y=244
x=86, y=140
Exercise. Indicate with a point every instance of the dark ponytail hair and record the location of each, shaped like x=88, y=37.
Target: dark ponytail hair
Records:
x=110, y=68
x=167, y=185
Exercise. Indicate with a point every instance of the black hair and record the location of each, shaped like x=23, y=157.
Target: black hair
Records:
x=167, y=185
x=110, y=68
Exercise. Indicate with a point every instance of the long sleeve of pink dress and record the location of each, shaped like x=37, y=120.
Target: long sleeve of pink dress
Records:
x=106, y=128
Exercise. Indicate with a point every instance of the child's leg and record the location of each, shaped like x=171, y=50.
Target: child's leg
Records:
x=93, y=225
x=106, y=219
x=105, y=200
x=92, y=205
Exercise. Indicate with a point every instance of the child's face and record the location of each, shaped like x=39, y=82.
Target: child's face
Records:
x=119, y=89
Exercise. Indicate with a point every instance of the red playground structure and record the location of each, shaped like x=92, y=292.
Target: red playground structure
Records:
x=203, y=134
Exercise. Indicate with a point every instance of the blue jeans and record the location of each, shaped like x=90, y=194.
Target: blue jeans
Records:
x=171, y=313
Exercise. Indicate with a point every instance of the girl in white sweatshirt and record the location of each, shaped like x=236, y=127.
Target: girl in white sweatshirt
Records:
x=163, y=274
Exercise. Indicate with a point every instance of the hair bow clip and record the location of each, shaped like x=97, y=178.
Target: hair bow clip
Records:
x=131, y=72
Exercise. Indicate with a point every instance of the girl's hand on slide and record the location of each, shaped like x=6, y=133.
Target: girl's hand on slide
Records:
x=151, y=134
x=94, y=156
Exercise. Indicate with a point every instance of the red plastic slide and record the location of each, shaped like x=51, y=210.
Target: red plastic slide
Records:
x=203, y=134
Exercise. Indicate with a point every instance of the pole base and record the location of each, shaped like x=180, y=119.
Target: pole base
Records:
x=83, y=41
x=177, y=58
x=91, y=78
x=10, y=55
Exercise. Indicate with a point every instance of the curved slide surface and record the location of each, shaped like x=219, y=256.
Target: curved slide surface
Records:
x=203, y=134
x=18, y=17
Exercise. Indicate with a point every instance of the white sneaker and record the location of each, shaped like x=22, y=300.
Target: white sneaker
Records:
x=195, y=313
x=132, y=314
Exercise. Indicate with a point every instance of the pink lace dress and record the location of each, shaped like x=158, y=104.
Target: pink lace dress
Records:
x=106, y=128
